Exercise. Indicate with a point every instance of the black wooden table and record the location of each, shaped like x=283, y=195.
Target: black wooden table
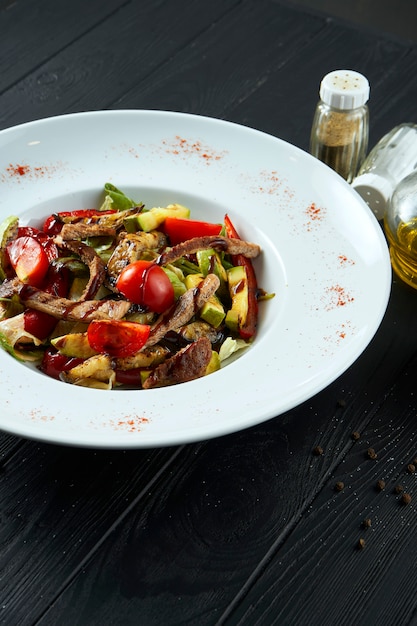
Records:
x=247, y=528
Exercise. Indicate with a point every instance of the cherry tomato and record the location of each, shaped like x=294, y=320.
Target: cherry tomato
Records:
x=39, y=323
x=45, y=240
x=53, y=224
x=28, y=259
x=117, y=338
x=179, y=229
x=54, y=363
x=145, y=283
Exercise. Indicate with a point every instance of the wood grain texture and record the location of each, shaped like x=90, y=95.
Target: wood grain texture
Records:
x=104, y=62
x=241, y=502
x=33, y=32
x=246, y=529
x=212, y=77
x=322, y=554
x=57, y=505
x=288, y=113
x=376, y=16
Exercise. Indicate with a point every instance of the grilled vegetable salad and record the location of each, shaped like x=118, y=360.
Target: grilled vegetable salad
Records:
x=126, y=296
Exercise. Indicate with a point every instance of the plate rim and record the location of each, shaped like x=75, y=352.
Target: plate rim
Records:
x=141, y=441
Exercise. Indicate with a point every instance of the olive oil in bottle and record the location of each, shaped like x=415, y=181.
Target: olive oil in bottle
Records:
x=400, y=225
x=340, y=129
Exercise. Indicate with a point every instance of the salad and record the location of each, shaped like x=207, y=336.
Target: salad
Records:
x=125, y=295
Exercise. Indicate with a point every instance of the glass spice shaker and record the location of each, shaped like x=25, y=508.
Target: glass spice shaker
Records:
x=400, y=225
x=340, y=129
x=389, y=161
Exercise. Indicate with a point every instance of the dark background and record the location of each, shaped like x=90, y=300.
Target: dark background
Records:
x=247, y=529
x=393, y=17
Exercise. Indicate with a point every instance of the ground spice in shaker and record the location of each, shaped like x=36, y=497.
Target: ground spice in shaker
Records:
x=340, y=130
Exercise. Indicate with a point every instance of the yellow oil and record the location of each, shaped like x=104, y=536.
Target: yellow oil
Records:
x=403, y=250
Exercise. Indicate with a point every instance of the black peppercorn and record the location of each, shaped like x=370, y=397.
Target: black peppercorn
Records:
x=406, y=498
x=371, y=453
x=318, y=450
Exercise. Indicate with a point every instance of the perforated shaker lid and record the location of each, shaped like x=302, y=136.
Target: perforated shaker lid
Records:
x=375, y=190
x=344, y=89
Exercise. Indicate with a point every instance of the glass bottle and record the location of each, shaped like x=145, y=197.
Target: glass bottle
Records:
x=340, y=129
x=391, y=160
x=400, y=225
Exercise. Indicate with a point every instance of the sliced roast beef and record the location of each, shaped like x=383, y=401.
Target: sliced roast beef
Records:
x=88, y=256
x=62, y=308
x=188, y=364
x=187, y=305
x=191, y=246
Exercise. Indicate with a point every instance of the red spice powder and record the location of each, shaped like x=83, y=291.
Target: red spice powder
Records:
x=338, y=335
x=36, y=416
x=20, y=170
x=130, y=424
x=181, y=146
x=336, y=296
x=314, y=212
x=271, y=180
x=315, y=215
x=344, y=260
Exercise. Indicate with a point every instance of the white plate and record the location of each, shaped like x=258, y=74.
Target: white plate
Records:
x=324, y=255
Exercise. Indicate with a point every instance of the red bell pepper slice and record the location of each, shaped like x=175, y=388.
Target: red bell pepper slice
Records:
x=39, y=323
x=248, y=330
x=54, y=363
x=117, y=338
x=53, y=224
x=181, y=229
x=130, y=378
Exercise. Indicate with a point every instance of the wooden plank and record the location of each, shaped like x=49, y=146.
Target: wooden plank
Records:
x=228, y=521
x=272, y=60
x=377, y=16
x=288, y=113
x=32, y=32
x=57, y=505
x=324, y=546
x=226, y=66
x=227, y=503
x=222, y=509
x=9, y=445
x=107, y=60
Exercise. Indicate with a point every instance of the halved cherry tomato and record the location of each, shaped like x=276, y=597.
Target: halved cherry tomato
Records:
x=145, y=283
x=179, y=229
x=45, y=240
x=53, y=224
x=54, y=363
x=28, y=259
x=117, y=338
x=248, y=330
